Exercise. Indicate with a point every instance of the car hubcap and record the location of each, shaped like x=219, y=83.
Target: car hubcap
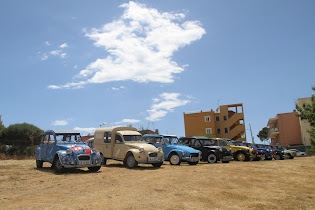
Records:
x=241, y=157
x=130, y=161
x=277, y=157
x=212, y=158
x=175, y=159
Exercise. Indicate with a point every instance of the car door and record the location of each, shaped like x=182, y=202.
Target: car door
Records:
x=119, y=149
x=43, y=147
x=196, y=144
x=159, y=142
x=51, y=148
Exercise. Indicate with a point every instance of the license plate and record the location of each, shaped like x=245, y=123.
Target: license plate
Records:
x=84, y=162
x=153, y=159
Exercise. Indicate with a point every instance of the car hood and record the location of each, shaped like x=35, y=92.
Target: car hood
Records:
x=76, y=147
x=183, y=148
x=239, y=147
x=138, y=145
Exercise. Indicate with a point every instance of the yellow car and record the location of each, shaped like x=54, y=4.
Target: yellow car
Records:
x=240, y=153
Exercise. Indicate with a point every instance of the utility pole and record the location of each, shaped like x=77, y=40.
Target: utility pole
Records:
x=251, y=133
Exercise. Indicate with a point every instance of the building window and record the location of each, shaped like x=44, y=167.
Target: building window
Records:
x=207, y=118
x=226, y=130
x=218, y=131
x=224, y=117
x=217, y=118
x=208, y=130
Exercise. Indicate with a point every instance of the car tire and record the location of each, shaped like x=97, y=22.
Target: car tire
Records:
x=39, y=163
x=131, y=161
x=174, y=159
x=192, y=163
x=94, y=169
x=157, y=165
x=263, y=157
x=241, y=156
x=212, y=158
x=277, y=157
x=104, y=160
x=58, y=166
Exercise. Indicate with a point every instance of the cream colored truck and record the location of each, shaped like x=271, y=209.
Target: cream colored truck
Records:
x=125, y=144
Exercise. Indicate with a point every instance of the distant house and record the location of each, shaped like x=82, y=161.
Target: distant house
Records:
x=287, y=129
x=226, y=122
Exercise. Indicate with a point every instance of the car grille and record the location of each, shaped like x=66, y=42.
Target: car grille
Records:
x=194, y=155
x=84, y=157
x=153, y=154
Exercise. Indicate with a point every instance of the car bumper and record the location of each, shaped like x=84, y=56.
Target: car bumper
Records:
x=227, y=158
x=72, y=165
x=190, y=159
x=152, y=160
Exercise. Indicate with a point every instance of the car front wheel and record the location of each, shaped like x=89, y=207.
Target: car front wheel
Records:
x=131, y=162
x=175, y=160
x=241, y=156
x=94, y=169
x=157, y=165
x=39, y=163
x=277, y=157
x=212, y=158
x=58, y=166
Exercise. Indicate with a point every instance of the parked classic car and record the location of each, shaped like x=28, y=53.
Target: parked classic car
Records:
x=65, y=149
x=174, y=150
x=240, y=153
x=209, y=151
x=276, y=154
x=125, y=144
x=288, y=154
x=298, y=152
x=268, y=152
x=259, y=154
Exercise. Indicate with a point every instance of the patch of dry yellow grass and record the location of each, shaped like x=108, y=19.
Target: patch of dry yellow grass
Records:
x=282, y=184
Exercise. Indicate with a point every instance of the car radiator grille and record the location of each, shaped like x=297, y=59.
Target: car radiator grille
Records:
x=84, y=157
x=153, y=154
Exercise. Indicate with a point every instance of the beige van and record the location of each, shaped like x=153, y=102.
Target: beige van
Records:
x=125, y=144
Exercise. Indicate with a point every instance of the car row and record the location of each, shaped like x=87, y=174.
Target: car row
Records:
x=65, y=149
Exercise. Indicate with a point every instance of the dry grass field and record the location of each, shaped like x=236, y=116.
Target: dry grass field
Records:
x=283, y=184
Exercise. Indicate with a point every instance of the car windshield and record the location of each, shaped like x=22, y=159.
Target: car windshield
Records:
x=68, y=138
x=132, y=138
x=207, y=142
x=231, y=142
x=172, y=140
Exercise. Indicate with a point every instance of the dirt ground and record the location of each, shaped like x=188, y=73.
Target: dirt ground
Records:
x=282, y=184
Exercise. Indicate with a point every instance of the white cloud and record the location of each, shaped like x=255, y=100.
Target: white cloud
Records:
x=64, y=45
x=44, y=57
x=141, y=44
x=118, y=88
x=47, y=43
x=84, y=130
x=53, y=87
x=59, y=122
x=166, y=103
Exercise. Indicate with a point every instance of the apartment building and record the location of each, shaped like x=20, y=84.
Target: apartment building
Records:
x=287, y=129
x=225, y=122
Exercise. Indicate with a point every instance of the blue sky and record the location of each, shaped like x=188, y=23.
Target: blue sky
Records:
x=78, y=64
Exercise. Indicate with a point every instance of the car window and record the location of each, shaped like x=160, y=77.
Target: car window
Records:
x=149, y=140
x=107, y=137
x=45, y=139
x=186, y=142
x=195, y=143
x=51, y=139
x=207, y=142
x=223, y=143
x=118, y=139
x=159, y=140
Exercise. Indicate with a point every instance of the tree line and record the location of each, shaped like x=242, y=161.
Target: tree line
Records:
x=19, y=139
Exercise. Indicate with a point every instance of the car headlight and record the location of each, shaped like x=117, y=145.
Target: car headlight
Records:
x=160, y=149
x=95, y=151
x=141, y=149
x=69, y=151
x=221, y=150
x=183, y=153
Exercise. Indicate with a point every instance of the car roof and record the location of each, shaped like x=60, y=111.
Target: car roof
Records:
x=63, y=131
